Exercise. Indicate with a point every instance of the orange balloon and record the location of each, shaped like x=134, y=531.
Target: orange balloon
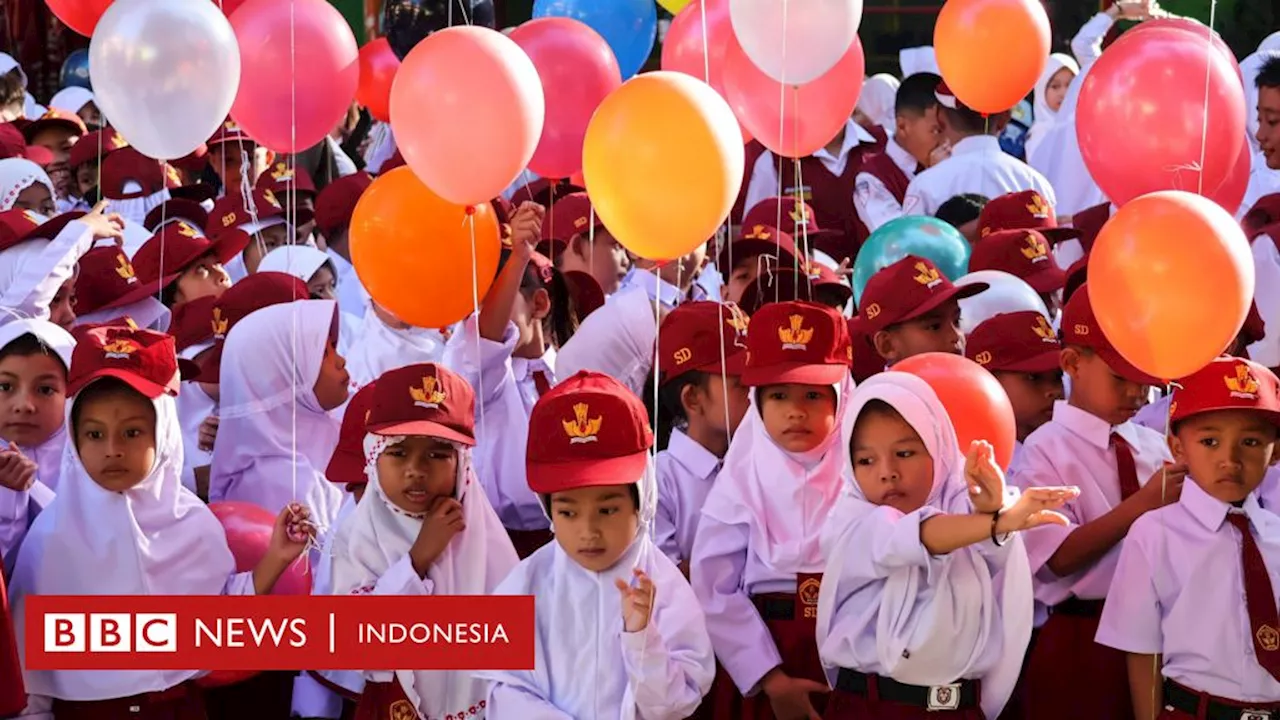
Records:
x=1171, y=280
x=976, y=402
x=991, y=52
x=413, y=250
x=663, y=161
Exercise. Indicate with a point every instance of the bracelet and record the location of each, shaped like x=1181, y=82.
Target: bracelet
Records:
x=995, y=518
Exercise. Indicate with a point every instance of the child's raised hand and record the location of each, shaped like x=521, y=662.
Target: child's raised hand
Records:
x=637, y=602
x=104, y=225
x=940, y=153
x=207, y=433
x=293, y=531
x=526, y=228
x=984, y=478
x=443, y=521
x=17, y=471
x=1035, y=507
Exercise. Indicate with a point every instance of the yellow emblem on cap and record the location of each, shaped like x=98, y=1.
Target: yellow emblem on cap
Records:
x=270, y=197
x=119, y=349
x=124, y=269
x=1038, y=207
x=798, y=215
x=926, y=275
x=219, y=323
x=1035, y=249
x=738, y=320
x=796, y=336
x=683, y=355
x=983, y=358
x=428, y=396
x=402, y=710
x=171, y=174
x=759, y=232
x=1043, y=329
x=230, y=126
x=582, y=429
x=1243, y=385
x=118, y=141
x=186, y=230
x=1081, y=329
x=580, y=222
x=282, y=172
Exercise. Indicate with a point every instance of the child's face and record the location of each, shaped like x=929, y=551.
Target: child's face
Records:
x=1055, y=91
x=595, y=525
x=798, y=417
x=1227, y=452
x=36, y=198
x=745, y=272
x=890, y=462
x=1032, y=396
x=935, y=331
x=91, y=115
x=707, y=403
x=115, y=435
x=605, y=258
x=417, y=472
x=1268, y=135
x=267, y=240
x=919, y=133
x=33, y=396
x=203, y=278
x=1099, y=391
x=323, y=285
x=62, y=309
x=334, y=383
x=86, y=177
x=57, y=140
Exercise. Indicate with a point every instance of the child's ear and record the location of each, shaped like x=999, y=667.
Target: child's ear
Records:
x=1069, y=359
x=691, y=400
x=885, y=345
x=1179, y=451
x=541, y=303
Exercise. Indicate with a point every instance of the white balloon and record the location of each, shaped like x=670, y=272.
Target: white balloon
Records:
x=1005, y=293
x=794, y=41
x=165, y=72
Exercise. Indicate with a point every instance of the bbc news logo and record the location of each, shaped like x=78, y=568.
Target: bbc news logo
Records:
x=279, y=633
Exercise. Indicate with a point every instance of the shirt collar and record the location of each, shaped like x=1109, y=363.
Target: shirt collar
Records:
x=1090, y=427
x=854, y=135
x=905, y=161
x=1205, y=508
x=692, y=455
x=654, y=286
x=976, y=144
x=523, y=368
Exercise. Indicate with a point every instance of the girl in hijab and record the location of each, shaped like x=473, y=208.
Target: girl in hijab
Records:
x=1057, y=156
x=1050, y=92
x=620, y=634
x=25, y=186
x=315, y=268
x=926, y=610
x=122, y=507
x=424, y=527
x=281, y=377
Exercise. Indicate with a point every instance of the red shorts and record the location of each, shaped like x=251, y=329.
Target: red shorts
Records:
x=1065, y=659
x=181, y=702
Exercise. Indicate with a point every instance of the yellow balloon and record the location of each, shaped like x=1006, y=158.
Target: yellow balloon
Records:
x=674, y=6
x=663, y=162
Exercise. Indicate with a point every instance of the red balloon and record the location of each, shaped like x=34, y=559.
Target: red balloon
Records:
x=1196, y=28
x=378, y=66
x=79, y=15
x=1155, y=80
x=793, y=121
x=683, y=49
x=1230, y=194
x=299, y=69
x=577, y=69
x=974, y=399
x=229, y=6
x=249, y=529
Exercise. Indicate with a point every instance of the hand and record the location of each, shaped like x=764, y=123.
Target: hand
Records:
x=789, y=697
x=637, y=602
x=940, y=153
x=1137, y=10
x=526, y=228
x=844, y=269
x=984, y=478
x=103, y=225
x=207, y=433
x=1035, y=507
x=17, y=472
x=443, y=521
x=292, y=533
x=1164, y=487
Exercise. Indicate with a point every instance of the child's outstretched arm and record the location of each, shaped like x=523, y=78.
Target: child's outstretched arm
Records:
x=496, y=306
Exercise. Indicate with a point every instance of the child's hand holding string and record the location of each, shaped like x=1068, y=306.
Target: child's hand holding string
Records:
x=293, y=533
x=637, y=602
x=526, y=228
x=17, y=471
x=984, y=478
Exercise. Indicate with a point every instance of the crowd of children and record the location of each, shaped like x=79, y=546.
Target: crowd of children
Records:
x=726, y=496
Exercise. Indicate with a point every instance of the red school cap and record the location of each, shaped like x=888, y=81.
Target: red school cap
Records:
x=1021, y=253
x=781, y=285
x=346, y=465
x=18, y=226
x=1023, y=210
x=108, y=280
x=143, y=359
x=230, y=131
x=175, y=209
x=702, y=336
x=775, y=211
x=231, y=211
x=259, y=290
x=1015, y=342
x=757, y=240
x=906, y=290
x=55, y=118
x=587, y=431
x=282, y=179
x=337, y=202
x=97, y=143
x=423, y=399
x=192, y=322
x=1080, y=327
x=127, y=166
x=167, y=254
x=1227, y=383
x=14, y=145
x=570, y=215
x=797, y=342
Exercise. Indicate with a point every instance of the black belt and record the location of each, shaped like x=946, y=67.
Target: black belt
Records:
x=775, y=606
x=1188, y=701
x=957, y=696
x=1075, y=607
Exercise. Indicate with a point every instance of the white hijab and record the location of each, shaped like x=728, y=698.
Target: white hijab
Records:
x=782, y=496
x=879, y=94
x=379, y=534
x=1057, y=156
x=274, y=439
x=937, y=642
x=300, y=261
x=156, y=538
x=71, y=99
x=18, y=174
x=1044, y=116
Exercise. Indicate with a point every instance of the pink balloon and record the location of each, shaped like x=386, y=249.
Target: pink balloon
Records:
x=249, y=529
x=1141, y=116
x=378, y=66
x=1230, y=194
x=467, y=110
x=295, y=84
x=578, y=70
x=1196, y=28
x=793, y=121
x=683, y=49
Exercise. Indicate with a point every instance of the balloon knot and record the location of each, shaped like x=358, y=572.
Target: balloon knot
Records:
x=471, y=209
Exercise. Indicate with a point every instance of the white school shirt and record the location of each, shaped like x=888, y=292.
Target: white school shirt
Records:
x=194, y=405
x=352, y=297
x=876, y=205
x=31, y=272
x=686, y=471
x=764, y=182
x=1262, y=181
x=977, y=165
x=1266, y=292
x=1074, y=448
x=1179, y=591
x=505, y=395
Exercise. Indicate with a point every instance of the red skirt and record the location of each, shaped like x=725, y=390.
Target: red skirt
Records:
x=265, y=695
x=527, y=542
x=1065, y=661
x=181, y=702
x=384, y=701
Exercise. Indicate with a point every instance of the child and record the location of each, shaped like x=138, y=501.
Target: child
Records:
x=1050, y=91
x=122, y=508
x=263, y=219
x=334, y=207
x=963, y=212
x=620, y=632
x=1091, y=443
x=25, y=186
x=701, y=354
x=57, y=131
x=236, y=158
x=78, y=100
x=135, y=184
x=759, y=249
x=1192, y=604
x=38, y=261
x=427, y=529
x=579, y=242
x=910, y=308
x=756, y=563
x=315, y=268
x=882, y=183
x=926, y=608
x=193, y=329
x=296, y=191
x=107, y=288
x=255, y=292
x=85, y=158
x=186, y=264
x=1026, y=255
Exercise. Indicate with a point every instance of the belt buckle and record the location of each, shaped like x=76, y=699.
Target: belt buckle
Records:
x=947, y=697
x=1255, y=715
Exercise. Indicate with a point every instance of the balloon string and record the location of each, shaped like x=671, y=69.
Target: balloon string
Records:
x=470, y=220
x=706, y=50
x=1208, y=72
x=293, y=141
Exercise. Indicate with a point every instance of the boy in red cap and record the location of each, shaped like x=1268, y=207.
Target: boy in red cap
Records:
x=57, y=131
x=756, y=565
x=759, y=249
x=578, y=241
x=1026, y=255
x=1192, y=604
x=262, y=219
x=910, y=308
x=642, y=649
x=1122, y=471
x=701, y=400
x=186, y=264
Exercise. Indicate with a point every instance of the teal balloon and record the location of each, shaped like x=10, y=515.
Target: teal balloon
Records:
x=913, y=235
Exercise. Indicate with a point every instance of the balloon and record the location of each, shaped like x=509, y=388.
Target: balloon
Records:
x=1195, y=27
x=790, y=121
x=629, y=26
x=1005, y=293
x=1230, y=193
x=467, y=109
x=663, y=162
x=974, y=399
x=79, y=15
x=413, y=250
x=249, y=529
x=674, y=6
x=1149, y=75
x=75, y=70
x=228, y=6
x=683, y=49
x=1170, y=281
x=799, y=41
x=577, y=70
x=991, y=52
x=299, y=72
x=406, y=22
x=378, y=66
x=167, y=100
x=911, y=235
